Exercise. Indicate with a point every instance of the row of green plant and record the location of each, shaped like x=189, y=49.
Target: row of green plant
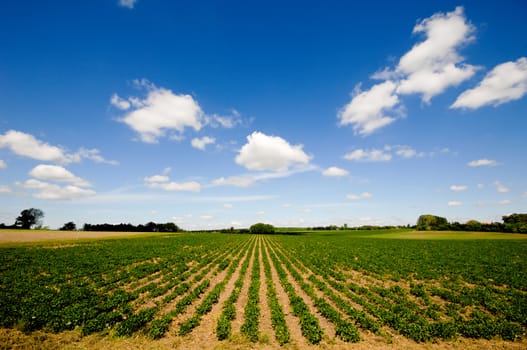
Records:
x=309, y=324
x=211, y=298
x=158, y=328
x=228, y=314
x=499, y=311
x=343, y=328
x=277, y=315
x=252, y=308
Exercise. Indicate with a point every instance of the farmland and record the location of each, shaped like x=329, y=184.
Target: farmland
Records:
x=338, y=289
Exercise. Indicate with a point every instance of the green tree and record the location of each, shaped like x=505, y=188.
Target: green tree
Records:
x=473, y=225
x=69, y=226
x=261, y=228
x=429, y=222
x=29, y=218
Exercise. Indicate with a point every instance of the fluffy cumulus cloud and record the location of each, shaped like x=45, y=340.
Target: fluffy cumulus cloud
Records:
x=201, y=143
x=3, y=164
x=455, y=203
x=43, y=183
x=428, y=68
x=368, y=110
x=4, y=189
x=270, y=153
x=506, y=82
x=434, y=64
x=482, y=162
x=49, y=191
x=458, y=188
x=363, y=195
x=26, y=145
x=335, y=172
x=57, y=173
x=159, y=113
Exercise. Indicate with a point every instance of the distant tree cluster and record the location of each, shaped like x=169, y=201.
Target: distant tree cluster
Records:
x=27, y=219
x=514, y=223
x=262, y=229
x=149, y=227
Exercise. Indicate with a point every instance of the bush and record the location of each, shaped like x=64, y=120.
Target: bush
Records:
x=261, y=229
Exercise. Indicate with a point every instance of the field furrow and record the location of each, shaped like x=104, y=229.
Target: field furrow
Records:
x=212, y=290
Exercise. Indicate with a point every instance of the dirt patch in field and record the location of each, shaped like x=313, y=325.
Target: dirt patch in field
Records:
x=15, y=339
x=19, y=236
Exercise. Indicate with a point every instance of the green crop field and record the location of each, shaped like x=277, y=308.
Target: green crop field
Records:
x=332, y=288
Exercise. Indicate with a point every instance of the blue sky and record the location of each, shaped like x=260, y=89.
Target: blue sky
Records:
x=215, y=114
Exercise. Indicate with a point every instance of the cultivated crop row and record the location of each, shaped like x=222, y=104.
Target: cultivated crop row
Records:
x=306, y=289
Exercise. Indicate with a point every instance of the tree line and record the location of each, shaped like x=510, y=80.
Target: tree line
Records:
x=32, y=218
x=514, y=223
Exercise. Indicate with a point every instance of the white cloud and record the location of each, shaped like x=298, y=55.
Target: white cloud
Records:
x=363, y=195
x=428, y=68
x=500, y=187
x=482, y=162
x=480, y=186
x=227, y=206
x=225, y=121
x=127, y=3
x=458, y=188
x=273, y=153
x=455, y=204
x=26, y=145
x=3, y=164
x=201, y=143
x=434, y=64
x=45, y=190
x=374, y=155
x=505, y=202
x=237, y=181
x=367, y=111
x=4, y=189
x=191, y=186
x=506, y=82
x=57, y=173
x=120, y=103
x=93, y=155
x=335, y=172
x=160, y=112
x=407, y=152
x=524, y=194
x=156, y=178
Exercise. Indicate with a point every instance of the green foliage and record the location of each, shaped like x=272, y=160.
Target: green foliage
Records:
x=261, y=229
x=448, y=289
x=429, y=222
x=252, y=308
x=29, y=218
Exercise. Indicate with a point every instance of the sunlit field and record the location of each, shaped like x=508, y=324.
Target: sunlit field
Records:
x=335, y=289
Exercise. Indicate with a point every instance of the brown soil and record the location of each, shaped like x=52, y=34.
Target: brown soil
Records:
x=267, y=333
x=239, y=305
x=293, y=323
x=328, y=327
x=15, y=339
x=204, y=337
x=17, y=236
x=205, y=333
